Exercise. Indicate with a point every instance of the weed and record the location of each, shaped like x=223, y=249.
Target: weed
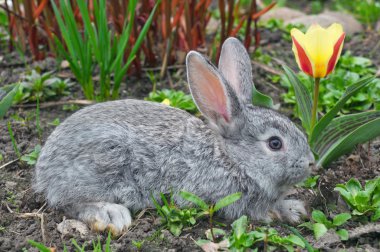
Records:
x=363, y=201
x=174, y=218
x=31, y=158
x=321, y=224
x=13, y=140
x=34, y=85
x=138, y=244
x=2, y=229
x=243, y=238
x=55, y=122
x=177, y=99
x=210, y=210
x=310, y=182
x=96, y=246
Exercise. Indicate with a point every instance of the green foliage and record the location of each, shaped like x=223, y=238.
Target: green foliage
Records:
x=210, y=209
x=55, y=122
x=31, y=158
x=96, y=246
x=347, y=72
x=98, y=47
x=13, y=140
x=242, y=239
x=367, y=11
x=173, y=217
x=138, y=244
x=310, y=182
x=177, y=99
x=275, y=24
x=35, y=86
x=334, y=136
x=321, y=224
x=6, y=99
x=363, y=201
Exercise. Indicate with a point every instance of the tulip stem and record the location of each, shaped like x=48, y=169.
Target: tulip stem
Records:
x=315, y=103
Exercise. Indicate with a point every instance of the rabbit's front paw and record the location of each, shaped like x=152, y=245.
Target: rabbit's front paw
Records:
x=290, y=210
x=102, y=216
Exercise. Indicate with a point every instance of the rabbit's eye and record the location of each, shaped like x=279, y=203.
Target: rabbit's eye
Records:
x=275, y=143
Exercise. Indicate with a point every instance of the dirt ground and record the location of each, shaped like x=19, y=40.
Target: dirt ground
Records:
x=24, y=215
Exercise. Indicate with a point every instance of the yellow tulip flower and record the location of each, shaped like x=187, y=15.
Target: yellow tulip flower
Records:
x=318, y=50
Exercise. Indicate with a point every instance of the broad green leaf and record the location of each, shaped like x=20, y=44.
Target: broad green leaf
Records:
x=343, y=234
x=260, y=99
x=6, y=101
x=228, y=200
x=362, y=134
x=195, y=199
x=376, y=215
x=320, y=217
x=295, y=240
x=340, y=219
x=239, y=226
x=329, y=116
x=176, y=230
x=303, y=98
x=353, y=186
x=319, y=230
x=341, y=127
x=357, y=212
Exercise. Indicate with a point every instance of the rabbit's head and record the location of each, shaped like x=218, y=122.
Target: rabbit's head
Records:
x=266, y=145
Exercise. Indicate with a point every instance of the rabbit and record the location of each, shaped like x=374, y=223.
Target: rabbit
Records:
x=109, y=158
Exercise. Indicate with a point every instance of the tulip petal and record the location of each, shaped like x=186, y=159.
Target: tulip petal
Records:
x=337, y=50
x=301, y=56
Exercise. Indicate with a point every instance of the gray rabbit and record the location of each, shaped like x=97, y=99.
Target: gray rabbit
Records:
x=111, y=157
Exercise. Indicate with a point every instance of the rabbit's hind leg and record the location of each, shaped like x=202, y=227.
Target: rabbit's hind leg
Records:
x=102, y=216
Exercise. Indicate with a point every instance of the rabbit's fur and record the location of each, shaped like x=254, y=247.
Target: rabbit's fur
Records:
x=112, y=156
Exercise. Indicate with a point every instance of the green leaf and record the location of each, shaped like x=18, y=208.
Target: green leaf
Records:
x=329, y=116
x=362, y=134
x=363, y=198
x=341, y=127
x=320, y=217
x=303, y=98
x=228, y=200
x=295, y=240
x=239, y=226
x=195, y=199
x=307, y=225
x=376, y=215
x=343, y=234
x=340, y=219
x=176, y=229
x=319, y=230
x=6, y=102
x=39, y=246
x=217, y=233
x=260, y=99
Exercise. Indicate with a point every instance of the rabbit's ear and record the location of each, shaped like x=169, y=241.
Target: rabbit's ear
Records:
x=214, y=98
x=235, y=66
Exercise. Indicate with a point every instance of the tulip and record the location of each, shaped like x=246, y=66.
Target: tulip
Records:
x=317, y=52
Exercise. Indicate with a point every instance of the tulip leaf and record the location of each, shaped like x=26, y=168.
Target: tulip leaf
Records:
x=361, y=134
x=302, y=96
x=326, y=119
x=260, y=99
x=340, y=127
x=6, y=101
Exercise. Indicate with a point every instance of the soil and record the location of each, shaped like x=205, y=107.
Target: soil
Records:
x=21, y=209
